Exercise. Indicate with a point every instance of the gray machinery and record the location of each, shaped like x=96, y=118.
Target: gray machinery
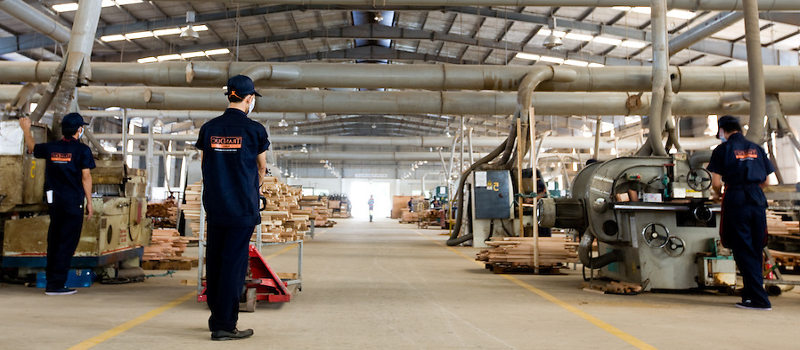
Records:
x=492, y=204
x=652, y=220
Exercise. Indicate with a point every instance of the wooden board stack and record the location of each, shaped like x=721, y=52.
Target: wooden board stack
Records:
x=516, y=251
x=191, y=209
x=775, y=225
x=281, y=220
x=166, y=251
x=163, y=214
x=318, y=210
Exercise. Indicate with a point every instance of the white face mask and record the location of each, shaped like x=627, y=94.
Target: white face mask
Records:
x=252, y=106
x=722, y=136
x=81, y=134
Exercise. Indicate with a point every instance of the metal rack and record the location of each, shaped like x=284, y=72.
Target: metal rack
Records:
x=201, y=249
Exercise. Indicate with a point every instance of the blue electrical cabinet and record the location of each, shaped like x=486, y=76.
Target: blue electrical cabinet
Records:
x=492, y=194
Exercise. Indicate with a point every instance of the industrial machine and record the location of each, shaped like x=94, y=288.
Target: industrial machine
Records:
x=115, y=234
x=652, y=220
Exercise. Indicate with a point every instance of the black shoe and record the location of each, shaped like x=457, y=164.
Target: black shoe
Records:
x=232, y=335
x=60, y=291
x=748, y=305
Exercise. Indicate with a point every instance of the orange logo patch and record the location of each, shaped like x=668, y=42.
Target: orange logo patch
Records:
x=748, y=154
x=60, y=157
x=226, y=142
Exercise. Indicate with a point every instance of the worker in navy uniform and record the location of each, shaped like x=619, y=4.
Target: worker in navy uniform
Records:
x=234, y=163
x=67, y=182
x=742, y=166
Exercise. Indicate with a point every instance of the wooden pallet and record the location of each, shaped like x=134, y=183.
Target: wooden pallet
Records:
x=519, y=268
x=171, y=264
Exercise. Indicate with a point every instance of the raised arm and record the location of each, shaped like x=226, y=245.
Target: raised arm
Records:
x=25, y=124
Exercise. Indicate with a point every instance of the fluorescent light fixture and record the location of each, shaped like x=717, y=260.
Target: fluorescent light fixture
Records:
x=578, y=63
x=621, y=8
x=168, y=31
x=169, y=57
x=193, y=54
x=114, y=37
x=217, y=52
x=552, y=59
x=607, y=40
x=682, y=14
x=635, y=44
x=199, y=28
x=147, y=60
x=139, y=35
x=70, y=6
x=528, y=56
x=73, y=6
x=579, y=37
x=556, y=33
x=596, y=65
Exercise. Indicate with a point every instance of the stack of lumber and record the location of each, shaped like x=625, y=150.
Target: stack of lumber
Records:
x=318, y=210
x=519, y=251
x=191, y=210
x=408, y=216
x=281, y=220
x=776, y=226
x=165, y=251
x=163, y=214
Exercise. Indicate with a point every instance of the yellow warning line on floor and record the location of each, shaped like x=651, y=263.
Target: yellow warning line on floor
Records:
x=549, y=297
x=113, y=332
x=91, y=342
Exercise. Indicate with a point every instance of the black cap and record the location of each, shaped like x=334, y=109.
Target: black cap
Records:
x=728, y=122
x=241, y=86
x=72, y=121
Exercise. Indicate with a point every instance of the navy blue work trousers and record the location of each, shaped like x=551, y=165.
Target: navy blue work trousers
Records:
x=63, y=236
x=744, y=231
x=226, y=267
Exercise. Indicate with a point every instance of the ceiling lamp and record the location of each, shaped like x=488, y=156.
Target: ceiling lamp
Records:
x=552, y=41
x=189, y=33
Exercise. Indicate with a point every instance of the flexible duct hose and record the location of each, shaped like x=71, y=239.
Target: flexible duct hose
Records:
x=585, y=253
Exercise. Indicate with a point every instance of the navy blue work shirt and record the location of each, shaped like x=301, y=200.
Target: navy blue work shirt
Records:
x=65, y=160
x=231, y=144
x=743, y=166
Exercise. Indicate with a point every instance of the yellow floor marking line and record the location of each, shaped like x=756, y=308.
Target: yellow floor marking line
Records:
x=93, y=341
x=549, y=297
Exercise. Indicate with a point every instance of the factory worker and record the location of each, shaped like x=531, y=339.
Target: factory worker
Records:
x=67, y=183
x=742, y=168
x=234, y=164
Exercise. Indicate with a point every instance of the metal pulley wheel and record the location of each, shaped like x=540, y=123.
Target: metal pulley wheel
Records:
x=675, y=246
x=655, y=235
x=699, y=179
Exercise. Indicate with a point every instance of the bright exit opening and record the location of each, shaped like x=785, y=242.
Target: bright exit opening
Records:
x=359, y=196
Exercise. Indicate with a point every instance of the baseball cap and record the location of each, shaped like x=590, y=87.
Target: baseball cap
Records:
x=241, y=86
x=728, y=121
x=72, y=121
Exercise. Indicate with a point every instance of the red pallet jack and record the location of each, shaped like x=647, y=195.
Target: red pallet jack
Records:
x=261, y=283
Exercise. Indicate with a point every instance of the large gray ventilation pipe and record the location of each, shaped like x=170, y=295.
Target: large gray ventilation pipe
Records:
x=37, y=20
x=755, y=71
x=428, y=77
x=409, y=102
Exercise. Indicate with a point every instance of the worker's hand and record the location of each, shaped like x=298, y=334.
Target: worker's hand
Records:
x=89, y=210
x=715, y=197
x=25, y=123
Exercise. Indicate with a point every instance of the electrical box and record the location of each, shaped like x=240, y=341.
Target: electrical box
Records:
x=493, y=195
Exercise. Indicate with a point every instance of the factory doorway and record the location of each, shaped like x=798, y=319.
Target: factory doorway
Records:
x=359, y=193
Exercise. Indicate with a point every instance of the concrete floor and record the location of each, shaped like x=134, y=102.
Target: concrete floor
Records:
x=385, y=285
